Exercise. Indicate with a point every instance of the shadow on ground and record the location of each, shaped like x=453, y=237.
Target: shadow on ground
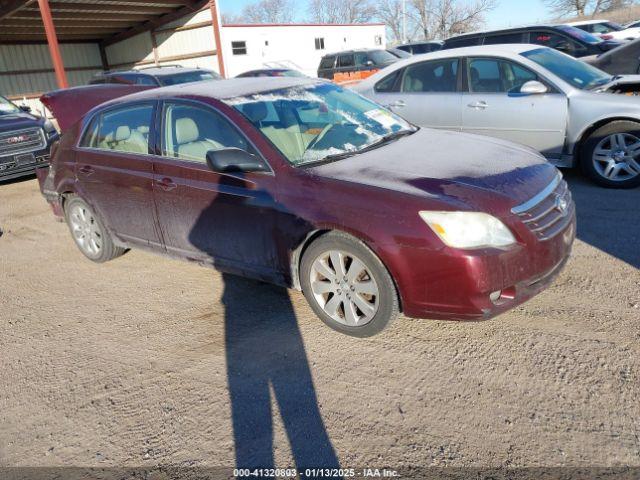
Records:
x=608, y=219
x=265, y=354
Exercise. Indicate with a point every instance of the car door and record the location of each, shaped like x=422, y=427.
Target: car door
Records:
x=427, y=94
x=493, y=106
x=114, y=172
x=222, y=218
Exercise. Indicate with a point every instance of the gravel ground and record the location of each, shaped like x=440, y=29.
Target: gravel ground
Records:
x=146, y=361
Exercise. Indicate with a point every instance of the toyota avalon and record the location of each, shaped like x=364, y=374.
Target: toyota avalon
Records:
x=304, y=184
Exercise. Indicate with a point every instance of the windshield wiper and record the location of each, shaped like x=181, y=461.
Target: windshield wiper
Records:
x=387, y=138
x=349, y=153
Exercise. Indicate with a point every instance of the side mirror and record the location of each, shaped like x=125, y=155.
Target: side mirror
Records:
x=25, y=108
x=369, y=63
x=234, y=160
x=533, y=87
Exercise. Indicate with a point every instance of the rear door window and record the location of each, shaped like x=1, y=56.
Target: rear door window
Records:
x=434, y=76
x=125, y=129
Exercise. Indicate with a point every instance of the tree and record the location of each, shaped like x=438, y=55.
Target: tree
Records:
x=568, y=7
x=264, y=11
x=443, y=18
x=341, y=11
x=390, y=13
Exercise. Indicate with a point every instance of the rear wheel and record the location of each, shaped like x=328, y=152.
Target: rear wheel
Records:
x=347, y=285
x=89, y=233
x=611, y=155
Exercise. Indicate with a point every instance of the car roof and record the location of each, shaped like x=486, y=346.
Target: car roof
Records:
x=492, y=50
x=156, y=71
x=502, y=30
x=587, y=22
x=222, y=89
x=354, y=50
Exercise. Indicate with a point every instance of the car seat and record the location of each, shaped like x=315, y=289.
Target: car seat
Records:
x=189, y=145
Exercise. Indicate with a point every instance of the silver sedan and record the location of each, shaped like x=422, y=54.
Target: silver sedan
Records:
x=571, y=112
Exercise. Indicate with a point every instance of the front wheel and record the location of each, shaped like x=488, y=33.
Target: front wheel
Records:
x=611, y=155
x=347, y=285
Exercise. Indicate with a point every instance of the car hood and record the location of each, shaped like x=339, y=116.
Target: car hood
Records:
x=18, y=121
x=431, y=162
x=618, y=81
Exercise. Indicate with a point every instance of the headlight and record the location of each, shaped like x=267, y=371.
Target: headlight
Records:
x=468, y=229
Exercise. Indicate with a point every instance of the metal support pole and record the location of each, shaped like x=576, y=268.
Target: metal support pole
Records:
x=215, y=21
x=52, y=41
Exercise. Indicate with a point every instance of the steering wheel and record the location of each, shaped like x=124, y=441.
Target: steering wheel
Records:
x=320, y=136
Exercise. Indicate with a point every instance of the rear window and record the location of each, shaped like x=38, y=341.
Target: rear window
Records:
x=581, y=35
x=327, y=62
x=186, y=77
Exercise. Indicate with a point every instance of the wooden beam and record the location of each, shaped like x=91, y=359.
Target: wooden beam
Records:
x=194, y=6
x=10, y=23
x=11, y=7
x=47, y=70
x=32, y=30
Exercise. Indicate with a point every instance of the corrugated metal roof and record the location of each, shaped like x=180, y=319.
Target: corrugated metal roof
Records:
x=89, y=20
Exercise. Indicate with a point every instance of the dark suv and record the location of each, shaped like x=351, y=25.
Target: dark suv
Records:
x=25, y=140
x=564, y=38
x=354, y=64
x=156, y=76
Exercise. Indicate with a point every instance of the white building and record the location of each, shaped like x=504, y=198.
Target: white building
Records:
x=298, y=46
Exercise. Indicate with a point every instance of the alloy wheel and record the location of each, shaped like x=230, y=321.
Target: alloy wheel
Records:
x=617, y=157
x=344, y=288
x=86, y=231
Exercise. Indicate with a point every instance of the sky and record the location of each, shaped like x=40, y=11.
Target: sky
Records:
x=508, y=13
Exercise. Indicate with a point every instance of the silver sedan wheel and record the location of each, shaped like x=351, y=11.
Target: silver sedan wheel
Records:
x=85, y=230
x=344, y=288
x=617, y=157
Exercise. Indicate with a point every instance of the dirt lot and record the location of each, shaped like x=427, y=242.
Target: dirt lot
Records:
x=142, y=361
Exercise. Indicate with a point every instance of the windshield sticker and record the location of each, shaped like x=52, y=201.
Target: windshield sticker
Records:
x=383, y=118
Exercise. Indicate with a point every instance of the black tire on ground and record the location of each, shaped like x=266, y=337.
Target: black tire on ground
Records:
x=388, y=304
x=108, y=250
x=590, y=144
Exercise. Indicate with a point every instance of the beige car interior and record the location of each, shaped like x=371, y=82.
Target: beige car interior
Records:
x=126, y=140
x=289, y=138
x=185, y=140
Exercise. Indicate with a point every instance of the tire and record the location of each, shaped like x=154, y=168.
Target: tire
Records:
x=607, y=157
x=89, y=233
x=362, y=305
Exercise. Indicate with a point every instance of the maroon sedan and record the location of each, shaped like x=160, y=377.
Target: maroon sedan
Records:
x=308, y=185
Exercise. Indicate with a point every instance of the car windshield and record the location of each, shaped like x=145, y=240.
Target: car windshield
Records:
x=7, y=107
x=186, y=77
x=381, y=56
x=572, y=71
x=581, y=35
x=320, y=122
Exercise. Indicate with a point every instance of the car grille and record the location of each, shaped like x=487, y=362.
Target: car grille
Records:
x=549, y=212
x=22, y=141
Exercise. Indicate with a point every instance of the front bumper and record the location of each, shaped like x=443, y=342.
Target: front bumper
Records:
x=23, y=164
x=457, y=285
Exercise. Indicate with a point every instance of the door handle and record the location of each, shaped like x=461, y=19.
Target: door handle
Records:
x=167, y=184
x=396, y=104
x=86, y=170
x=481, y=105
